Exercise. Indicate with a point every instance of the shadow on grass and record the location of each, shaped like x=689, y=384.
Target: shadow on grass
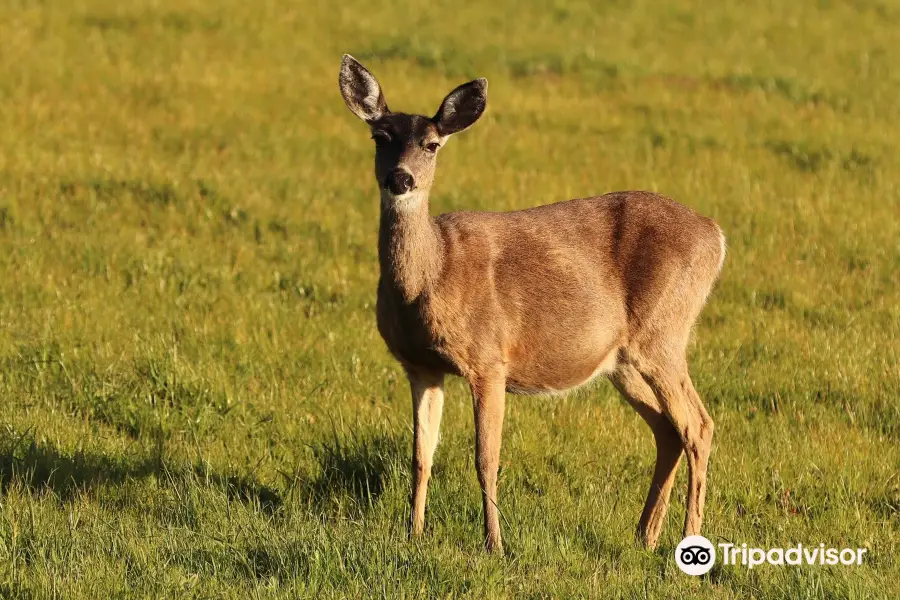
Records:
x=354, y=470
x=40, y=467
x=244, y=489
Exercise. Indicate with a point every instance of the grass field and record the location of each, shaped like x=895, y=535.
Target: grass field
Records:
x=195, y=400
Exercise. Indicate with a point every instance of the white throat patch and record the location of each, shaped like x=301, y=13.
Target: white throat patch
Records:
x=402, y=202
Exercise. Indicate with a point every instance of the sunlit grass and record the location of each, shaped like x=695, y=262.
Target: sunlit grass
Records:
x=195, y=398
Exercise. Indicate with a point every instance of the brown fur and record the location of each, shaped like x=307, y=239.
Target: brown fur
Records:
x=539, y=301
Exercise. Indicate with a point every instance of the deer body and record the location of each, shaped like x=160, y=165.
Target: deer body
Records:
x=536, y=301
x=552, y=293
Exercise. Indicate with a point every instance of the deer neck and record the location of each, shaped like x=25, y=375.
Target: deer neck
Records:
x=410, y=249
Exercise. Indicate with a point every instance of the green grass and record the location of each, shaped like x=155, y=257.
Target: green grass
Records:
x=195, y=399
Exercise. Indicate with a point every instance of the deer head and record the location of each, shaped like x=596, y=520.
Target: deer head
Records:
x=406, y=146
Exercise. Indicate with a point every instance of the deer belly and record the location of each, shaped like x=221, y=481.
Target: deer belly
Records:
x=559, y=374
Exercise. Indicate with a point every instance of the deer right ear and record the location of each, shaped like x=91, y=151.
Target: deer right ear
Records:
x=361, y=91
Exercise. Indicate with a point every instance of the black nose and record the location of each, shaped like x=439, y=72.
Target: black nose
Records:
x=399, y=182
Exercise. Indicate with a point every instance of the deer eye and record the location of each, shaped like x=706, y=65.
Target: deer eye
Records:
x=381, y=137
x=432, y=147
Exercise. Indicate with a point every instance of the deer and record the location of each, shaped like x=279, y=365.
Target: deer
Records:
x=534, y=302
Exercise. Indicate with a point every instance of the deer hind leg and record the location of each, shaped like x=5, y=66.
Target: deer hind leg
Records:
x=682, y=405
x=428, y=403
x=628, y=381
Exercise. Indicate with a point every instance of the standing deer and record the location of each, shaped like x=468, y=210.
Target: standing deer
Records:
x=535, y=301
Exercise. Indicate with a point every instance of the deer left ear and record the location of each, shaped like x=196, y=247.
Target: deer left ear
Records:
x=361, y=91
x=462, y=107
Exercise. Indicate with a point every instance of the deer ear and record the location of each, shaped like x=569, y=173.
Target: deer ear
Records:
x=361, y=91
x=462, y=107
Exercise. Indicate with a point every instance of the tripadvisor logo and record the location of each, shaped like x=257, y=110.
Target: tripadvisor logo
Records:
x=696, y=555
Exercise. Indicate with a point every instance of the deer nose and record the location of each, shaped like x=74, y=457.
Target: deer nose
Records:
x=399, y=181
